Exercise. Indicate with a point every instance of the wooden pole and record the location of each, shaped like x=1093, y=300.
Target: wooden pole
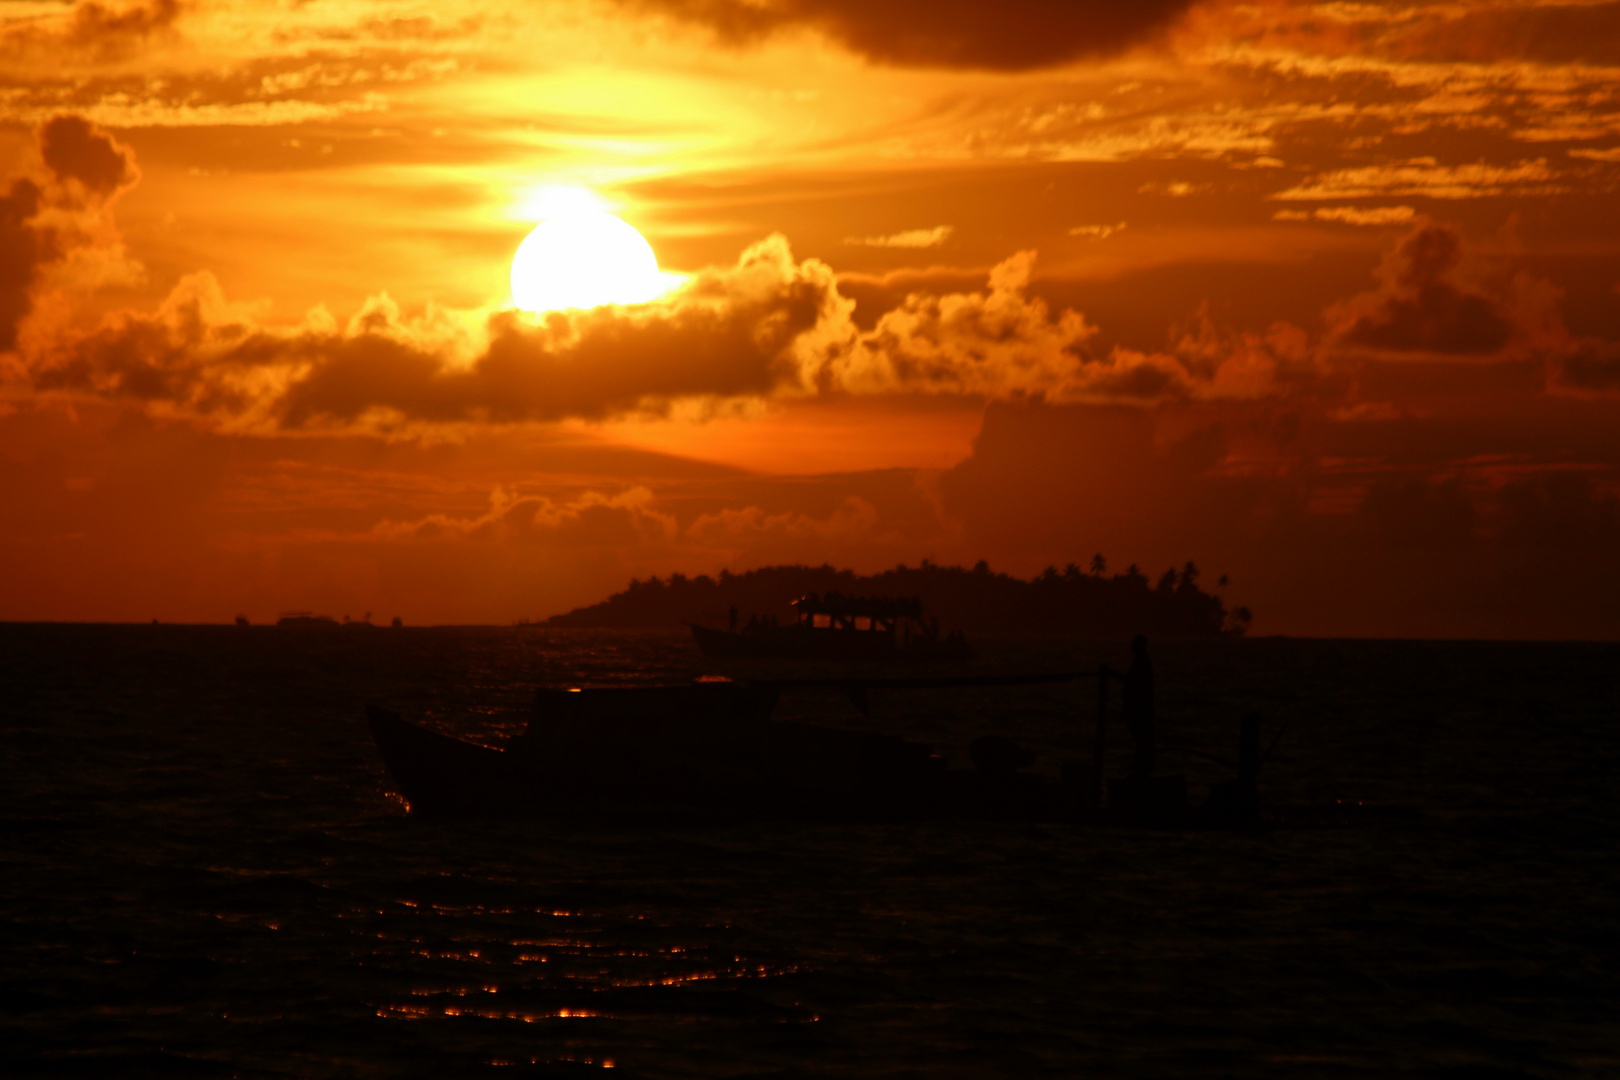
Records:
x=1101, y=734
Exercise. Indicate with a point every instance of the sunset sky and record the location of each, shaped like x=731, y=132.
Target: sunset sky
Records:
x=1325, y=297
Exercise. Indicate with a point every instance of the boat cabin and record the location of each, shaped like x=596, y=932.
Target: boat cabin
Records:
x=881, y=615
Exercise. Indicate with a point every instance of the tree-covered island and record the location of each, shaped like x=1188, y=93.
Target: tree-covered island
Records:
x=1087, y=602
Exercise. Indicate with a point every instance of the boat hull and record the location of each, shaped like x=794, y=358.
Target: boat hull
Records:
x=646, y=769
x=852, y=646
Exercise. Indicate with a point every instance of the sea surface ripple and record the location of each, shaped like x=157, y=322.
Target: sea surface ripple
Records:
x=206, y=874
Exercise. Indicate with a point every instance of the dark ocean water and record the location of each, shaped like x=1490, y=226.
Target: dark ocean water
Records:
x=205, y=875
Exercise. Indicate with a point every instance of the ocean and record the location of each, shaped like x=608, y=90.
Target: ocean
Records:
x=207, y=874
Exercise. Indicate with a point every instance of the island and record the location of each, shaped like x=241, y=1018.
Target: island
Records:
x=1088, y=602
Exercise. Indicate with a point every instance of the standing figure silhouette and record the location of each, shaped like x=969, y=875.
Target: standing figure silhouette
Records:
x=1139, y=708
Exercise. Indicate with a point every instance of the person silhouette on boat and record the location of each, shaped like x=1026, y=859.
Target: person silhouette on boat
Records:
x=1139, y=708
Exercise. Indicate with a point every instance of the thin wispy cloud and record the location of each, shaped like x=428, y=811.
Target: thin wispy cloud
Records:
x=1097, y=232
x=1351, y=215
x=910, y=238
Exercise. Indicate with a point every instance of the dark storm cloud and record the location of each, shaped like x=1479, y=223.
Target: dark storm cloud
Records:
x=1422, y=307
x=75, y=149
x=1014, y=35
x=1438, y=301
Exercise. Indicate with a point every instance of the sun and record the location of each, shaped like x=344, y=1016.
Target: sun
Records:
x=580, y=257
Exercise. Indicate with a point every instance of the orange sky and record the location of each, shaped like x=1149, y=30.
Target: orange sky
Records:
x=1323, y=296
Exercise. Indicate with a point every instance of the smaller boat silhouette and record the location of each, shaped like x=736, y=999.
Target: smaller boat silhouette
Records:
x=838, y=627
x=304, y=620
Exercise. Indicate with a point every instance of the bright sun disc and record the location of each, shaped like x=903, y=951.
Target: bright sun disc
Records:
x=582, y=259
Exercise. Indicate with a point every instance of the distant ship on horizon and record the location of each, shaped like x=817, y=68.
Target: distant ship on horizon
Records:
x=305, y=620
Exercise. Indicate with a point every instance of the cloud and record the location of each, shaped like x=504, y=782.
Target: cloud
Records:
x=96, y=22
x=1548, y=33
x=1176, y=189
x=912, y=238
x=1423, y=176
x=747, y=330
x=1423, y=307
x=79, y=152
x=1588, y=367
x=745, y=527
x=23, y=250
x=1352, y=215
x=1097, y=232
x=1438, y=301
x=57, y=223
x=992, y=342
x=769, y=326
x=93, y=27
x=594, y=519
x=1015, y=35
x=1448, y=39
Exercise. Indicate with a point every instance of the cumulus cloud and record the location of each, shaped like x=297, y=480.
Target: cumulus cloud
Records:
x=746, y=330
x=1013, y=36
x=23, y=250
x=58, y=222
x=1438, y=301
x=79, y=152
x=1424, y=306
x=911, y=238
x=767, y=326
x=993, y=342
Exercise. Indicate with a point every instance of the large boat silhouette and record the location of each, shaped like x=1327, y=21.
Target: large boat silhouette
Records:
x=835, y=627
x=707, y=751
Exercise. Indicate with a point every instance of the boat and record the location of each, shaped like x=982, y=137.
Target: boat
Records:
x=706, y=752
x=709, y=752
x=840, y=628
x=304, y=620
